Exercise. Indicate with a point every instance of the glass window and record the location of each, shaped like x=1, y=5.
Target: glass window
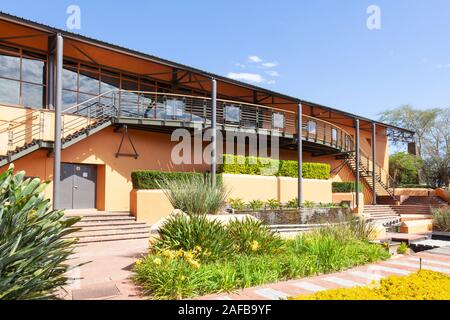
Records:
x=109, y=83
x=9, y=66
x=89, y=82
x=278, y=120
x=33, y=71
x=70, y=79
x=69, y=99
x=9, y=91
x=334, y=135
x=33, y=95
x=232, y=114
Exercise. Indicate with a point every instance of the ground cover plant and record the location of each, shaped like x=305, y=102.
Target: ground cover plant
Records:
x=32, y=248
x=441, y=219
x=424, y=285
x=186, y=263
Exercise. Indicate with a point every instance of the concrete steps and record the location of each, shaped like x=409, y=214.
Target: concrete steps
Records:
x=108, y=226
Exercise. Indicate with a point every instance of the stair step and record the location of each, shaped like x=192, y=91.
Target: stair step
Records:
x=113, y=238
x=110, y=218
x=104, y=223
x=110, y=232
x=101, y=226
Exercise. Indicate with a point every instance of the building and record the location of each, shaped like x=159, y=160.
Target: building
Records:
x=116, y=109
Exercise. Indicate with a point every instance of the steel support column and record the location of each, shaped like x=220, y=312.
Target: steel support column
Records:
x=374, y=163
x=300, y=154
x=58, y=113
x=214, y=131
x=357, y=162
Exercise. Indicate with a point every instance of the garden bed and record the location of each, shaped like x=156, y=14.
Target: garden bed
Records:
x=196, y=257
x=299, y=216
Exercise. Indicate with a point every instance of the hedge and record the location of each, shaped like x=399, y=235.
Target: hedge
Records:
x=269, y=167
x=147, y=179
x=342, y=187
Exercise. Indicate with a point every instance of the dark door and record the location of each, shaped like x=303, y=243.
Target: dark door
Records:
x=78, y=186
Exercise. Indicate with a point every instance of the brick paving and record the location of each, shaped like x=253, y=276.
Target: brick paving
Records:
x=359, y=276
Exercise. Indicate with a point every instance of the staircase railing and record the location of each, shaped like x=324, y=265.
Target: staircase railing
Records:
x=22, y=130
x=87, y=114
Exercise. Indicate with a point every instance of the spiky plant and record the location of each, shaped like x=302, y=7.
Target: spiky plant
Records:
x=195, y=194
x=32, y=248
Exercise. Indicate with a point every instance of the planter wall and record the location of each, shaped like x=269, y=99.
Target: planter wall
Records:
x=149, y=206
x=302, y=216
x=348, y=197
x=283, y=189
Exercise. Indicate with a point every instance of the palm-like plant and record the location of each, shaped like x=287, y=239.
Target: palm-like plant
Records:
x=32, y=248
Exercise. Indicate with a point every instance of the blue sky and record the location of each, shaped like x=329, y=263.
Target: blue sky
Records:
x=316, y=50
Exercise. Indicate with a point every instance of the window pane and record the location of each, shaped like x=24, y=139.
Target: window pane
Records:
x=33, y=95
x=89, y=82
x=9, y=91
x=109, y=83
x=9, y=66
x=174, y=108
x=334, y=135
x=69, y=99
x=70, y=79
x=33, y=71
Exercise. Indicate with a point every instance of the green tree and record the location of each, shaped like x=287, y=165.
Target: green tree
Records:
x=419, y=121
x=404, y=168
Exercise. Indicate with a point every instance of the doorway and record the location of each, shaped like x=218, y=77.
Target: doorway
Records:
x=78, y=186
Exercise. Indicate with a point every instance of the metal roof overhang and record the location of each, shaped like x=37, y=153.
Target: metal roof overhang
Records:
x=35, y=35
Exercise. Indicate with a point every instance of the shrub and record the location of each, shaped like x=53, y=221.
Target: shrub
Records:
x=148, y=179
x=342, y=187
x=190, y=233
x=403, y=248
x=256, y=205
x=273, y=204
x=424, y=285
x=237, y=204
x=32, y=250
x=251, y=236
x=194, y=194
x=293, y=204
x=270, y=167
x=441, y=219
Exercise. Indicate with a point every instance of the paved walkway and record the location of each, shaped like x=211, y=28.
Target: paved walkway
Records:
x=435, y=260
x=105, y=271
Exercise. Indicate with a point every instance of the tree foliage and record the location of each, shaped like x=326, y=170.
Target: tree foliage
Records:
x=432, y=127
x=404, y=168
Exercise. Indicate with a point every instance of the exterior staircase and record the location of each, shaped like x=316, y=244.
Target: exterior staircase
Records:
x=381, y=187
x=26, y=133
x=432, y=201
x=108, y=226
x=385, y=215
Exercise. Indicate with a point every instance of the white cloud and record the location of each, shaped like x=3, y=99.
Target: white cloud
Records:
x=273, y=73
x=270, y=64
x=444, y=66
x=255, y=59
x=243, y=76
x=240, y=65
x=271, y=82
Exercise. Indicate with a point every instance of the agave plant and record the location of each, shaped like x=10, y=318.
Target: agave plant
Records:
x=32, y=248
x=195, y=194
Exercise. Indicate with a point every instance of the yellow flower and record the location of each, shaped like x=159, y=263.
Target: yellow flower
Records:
x=254, y=246
x=138, y=262
x=188, y=255
x=169, y=254
x=183, y=278
x=194, y=263
x=198, y=249
x=157, y=261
